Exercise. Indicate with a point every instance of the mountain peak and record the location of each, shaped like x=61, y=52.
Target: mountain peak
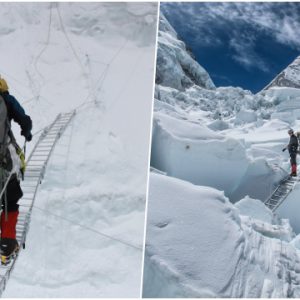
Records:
x=289, y=77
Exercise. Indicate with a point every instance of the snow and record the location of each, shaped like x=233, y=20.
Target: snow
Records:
x=216, y=157
x=87, y=226
x=245, y=116
x=195, y=153
x=290, y=208
x=175, y=67
x=196, y=156
x=255, y=209
x=289, y=77
x=199, y=246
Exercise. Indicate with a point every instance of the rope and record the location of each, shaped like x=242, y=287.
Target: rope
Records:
x=46, y=44
x=85, y=74
x=4, y=191
x=29, y=100
x=103, y=75
x=117, y=97
x=68, y=40
x=5, y=185
x=91, y=229
x=129, y=78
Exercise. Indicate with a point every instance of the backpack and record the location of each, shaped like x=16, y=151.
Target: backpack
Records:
x=12, y=157
x=6, y=162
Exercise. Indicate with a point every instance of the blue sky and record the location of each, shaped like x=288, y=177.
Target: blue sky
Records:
x=242, y=44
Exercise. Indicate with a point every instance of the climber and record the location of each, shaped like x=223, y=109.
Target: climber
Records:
x=11, y=157
x=293, y=148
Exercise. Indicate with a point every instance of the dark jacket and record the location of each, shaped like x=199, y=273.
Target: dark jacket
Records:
x=16, y=112
x=293, y=144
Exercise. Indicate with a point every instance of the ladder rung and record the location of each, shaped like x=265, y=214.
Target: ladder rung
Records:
x=46, y=144
x=34, y=172
x=43, y=148
x=39, y=159
x=32, y=178
x=29, y=186
x=57, y=126
x=48, y=141
x=49, y=137
x=25, y=205
x=29, y=183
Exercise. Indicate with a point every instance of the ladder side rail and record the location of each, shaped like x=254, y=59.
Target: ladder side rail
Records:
x=281, y=200
x=41, y=137
x=276, y=189
x=272, y=194
x=281, y=183
x=41, y=175
x=288, y=190
x=26, y=221
x=43, y=172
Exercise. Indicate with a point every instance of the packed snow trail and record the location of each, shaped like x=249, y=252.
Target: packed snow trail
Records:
x=281, y=192
x=35, y=170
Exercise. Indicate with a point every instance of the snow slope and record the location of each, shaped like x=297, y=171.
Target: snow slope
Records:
x=199, y=246
x=86, y=231
x=217, y=156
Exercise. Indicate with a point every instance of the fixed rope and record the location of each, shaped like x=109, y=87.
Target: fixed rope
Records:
x=102, y=234
x=35, y=171
x=46, y=43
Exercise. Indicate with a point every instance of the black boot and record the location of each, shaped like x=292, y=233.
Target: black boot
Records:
x=9, y=247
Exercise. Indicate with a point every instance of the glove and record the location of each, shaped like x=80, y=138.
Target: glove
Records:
x=27, y=135
x=283, y=149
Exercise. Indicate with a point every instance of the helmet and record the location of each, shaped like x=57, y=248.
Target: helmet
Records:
x=291, y=131
x=3, y=85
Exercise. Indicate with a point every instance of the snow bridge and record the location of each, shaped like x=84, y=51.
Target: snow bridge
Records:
x=281, y=192
x=35, y=170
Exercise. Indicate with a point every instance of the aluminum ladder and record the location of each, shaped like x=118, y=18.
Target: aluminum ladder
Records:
x=35, y=171
x=281, y=192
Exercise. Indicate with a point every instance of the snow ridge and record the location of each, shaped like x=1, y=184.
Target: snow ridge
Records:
x=289, y=77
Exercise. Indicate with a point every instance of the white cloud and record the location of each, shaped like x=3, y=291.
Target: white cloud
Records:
x=279, y=20
x=244, y=52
